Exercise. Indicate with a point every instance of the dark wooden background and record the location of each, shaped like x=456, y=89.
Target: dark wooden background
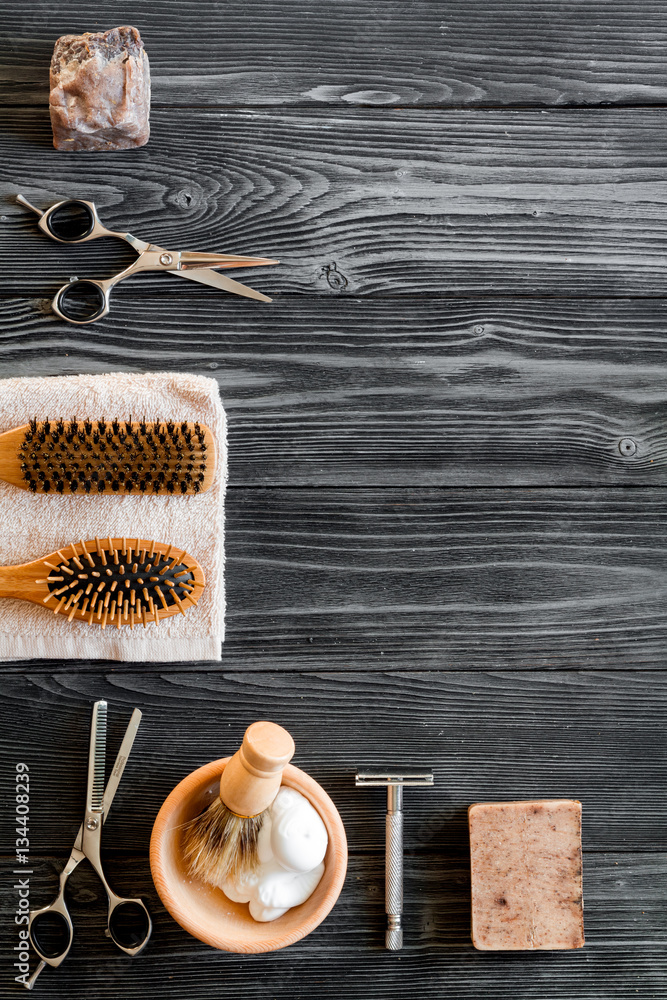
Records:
x=439, y=554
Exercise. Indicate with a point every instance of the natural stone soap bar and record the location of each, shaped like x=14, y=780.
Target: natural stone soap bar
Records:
x=100, y=91
x=525, y=862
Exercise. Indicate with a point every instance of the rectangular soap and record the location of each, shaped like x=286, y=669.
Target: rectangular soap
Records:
x=100, y=91
x=526, y=878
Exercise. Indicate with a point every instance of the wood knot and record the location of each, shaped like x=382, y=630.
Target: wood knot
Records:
x=335, y=278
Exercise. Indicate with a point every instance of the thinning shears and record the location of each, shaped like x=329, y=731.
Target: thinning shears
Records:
x=128, y=921
x=85, y=300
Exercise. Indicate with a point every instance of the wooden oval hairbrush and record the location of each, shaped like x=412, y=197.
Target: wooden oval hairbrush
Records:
x=109, y=581
x=108, y=456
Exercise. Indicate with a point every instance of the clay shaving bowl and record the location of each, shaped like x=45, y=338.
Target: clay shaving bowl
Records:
x=205, y=912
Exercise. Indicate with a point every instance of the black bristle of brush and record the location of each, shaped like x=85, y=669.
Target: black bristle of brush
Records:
x=218, y=844
x=78, y=456
x=133, y=576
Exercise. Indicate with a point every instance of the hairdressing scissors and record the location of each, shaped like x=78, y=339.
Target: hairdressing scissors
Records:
x=85, y=300
x=128, y=922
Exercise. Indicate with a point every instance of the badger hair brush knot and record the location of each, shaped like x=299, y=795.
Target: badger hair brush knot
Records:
x=222, y=840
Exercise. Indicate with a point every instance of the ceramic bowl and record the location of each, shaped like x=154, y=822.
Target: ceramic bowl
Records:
x=205, y=912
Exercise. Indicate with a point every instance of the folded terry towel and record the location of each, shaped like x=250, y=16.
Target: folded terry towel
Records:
x=33, y=525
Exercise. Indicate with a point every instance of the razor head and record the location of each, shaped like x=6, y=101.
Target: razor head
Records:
x=366, y=779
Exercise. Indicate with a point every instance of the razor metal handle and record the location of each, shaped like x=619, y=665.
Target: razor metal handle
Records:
x=394, y=868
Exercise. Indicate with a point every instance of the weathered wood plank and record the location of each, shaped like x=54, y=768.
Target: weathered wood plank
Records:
x=347, y=53
x=298, y=974
x=595, y=736
x=456, y=578
x=386, y=203
x=324, y=391
x=443, y=579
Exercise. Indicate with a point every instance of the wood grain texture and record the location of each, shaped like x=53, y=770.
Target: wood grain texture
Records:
x=593, y=736
x=369, y=392
x=378, y=54
x=566, y=203
x=443, y=579
x=455, y=579
x=342, y=391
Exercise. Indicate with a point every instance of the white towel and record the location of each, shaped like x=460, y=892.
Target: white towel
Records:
x=33, y=525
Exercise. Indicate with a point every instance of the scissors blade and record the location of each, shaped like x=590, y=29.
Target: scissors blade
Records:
x=189, y=259
x=97, y=758
x=221, y=281
x=121, y=760
x=116, y=773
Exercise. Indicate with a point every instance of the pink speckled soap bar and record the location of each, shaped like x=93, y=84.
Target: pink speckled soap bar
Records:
x=525, y=865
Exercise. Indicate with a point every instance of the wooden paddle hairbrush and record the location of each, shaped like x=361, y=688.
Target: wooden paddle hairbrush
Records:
x=115, y=456
x=110, y=581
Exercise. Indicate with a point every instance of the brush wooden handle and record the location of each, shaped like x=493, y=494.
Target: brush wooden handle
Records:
x=10, y=466
x=251, y=779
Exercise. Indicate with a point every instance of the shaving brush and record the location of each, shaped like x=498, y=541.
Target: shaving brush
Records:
x=222, y=840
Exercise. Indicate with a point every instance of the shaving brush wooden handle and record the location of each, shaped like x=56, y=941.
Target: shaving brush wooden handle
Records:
x=251, y=779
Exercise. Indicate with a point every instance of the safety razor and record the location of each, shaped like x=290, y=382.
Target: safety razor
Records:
x=393, y=884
